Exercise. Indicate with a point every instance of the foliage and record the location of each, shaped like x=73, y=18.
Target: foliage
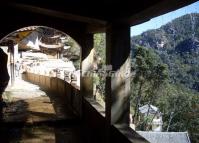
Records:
x=176, y=46
x=150, y=75
x=73, y=53
x=183, y=103
x=99, y=46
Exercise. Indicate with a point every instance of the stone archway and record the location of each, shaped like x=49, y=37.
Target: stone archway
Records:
x=53, y=43
x=33, y=39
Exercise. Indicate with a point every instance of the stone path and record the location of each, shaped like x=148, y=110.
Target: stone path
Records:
x=28, y=103
x=36, y=116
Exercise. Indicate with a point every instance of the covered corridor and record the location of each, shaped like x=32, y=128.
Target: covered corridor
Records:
x=77, y=117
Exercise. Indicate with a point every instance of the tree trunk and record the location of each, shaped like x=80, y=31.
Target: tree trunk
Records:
x=138, y=103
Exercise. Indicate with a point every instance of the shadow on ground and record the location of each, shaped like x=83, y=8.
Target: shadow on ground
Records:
x=23, y=123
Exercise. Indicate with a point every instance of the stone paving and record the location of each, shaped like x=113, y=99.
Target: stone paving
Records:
x=45, y=118
x=28, y=103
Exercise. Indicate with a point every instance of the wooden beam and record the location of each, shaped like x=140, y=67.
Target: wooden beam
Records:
x=95, y=29
x=58, y=14
x=162, y=7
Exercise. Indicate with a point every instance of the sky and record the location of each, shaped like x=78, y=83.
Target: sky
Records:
x=157, y=22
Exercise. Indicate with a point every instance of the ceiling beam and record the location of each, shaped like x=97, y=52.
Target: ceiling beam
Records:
x=58, y=14
x=162, y=7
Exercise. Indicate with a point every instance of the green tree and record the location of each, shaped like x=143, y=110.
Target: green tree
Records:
x=180, y=109
x=150, y=75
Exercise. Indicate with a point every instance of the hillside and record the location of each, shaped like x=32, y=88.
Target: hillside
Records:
x=177, y=44
x=166, y=66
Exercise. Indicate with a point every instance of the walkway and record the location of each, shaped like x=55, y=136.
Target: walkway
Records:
x=36, y=116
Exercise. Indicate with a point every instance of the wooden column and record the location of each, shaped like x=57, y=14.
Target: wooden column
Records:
x=118, y=84
x=12, y=61
x=86, y=81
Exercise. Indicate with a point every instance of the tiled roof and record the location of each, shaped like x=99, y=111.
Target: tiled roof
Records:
x=152, y=109
x=165, y=137
x=29, y=28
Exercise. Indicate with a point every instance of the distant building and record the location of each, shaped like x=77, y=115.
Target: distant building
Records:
x=155, y=114
x=148, y=108
x=165, y=137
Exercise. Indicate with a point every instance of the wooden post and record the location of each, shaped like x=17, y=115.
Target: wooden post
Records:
x=118, y=84
x=12, y=62
x=86, y=82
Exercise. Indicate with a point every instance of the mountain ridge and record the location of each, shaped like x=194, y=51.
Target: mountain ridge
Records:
x=177, y=45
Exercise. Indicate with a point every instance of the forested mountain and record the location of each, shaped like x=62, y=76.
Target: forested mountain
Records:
x=166, y=66
x=177, y=44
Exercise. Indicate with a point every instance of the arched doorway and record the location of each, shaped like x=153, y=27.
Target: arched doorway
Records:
x=46, y=52
x=41, y=43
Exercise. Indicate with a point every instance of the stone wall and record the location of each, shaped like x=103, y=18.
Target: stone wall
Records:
x=59, y=87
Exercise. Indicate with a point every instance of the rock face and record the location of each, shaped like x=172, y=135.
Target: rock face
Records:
x=171, y=34
x=177, y=44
